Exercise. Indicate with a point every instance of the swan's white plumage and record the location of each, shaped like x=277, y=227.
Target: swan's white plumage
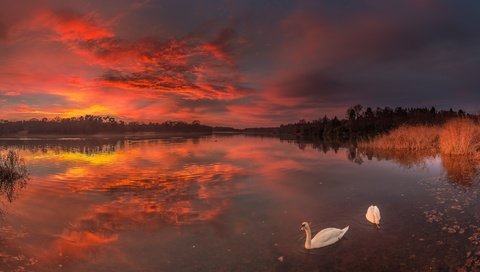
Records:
x=373, y=215
x=323, y=238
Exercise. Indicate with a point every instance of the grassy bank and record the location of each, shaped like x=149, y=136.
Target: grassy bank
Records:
x=456, y=137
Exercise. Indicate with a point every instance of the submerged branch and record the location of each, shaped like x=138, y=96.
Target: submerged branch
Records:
x=13, y=174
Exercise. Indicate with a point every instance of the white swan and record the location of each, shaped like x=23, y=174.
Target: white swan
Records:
x=373, y=215
x=324, y=238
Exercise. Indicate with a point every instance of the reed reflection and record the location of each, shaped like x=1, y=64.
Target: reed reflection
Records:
x=404, y=158
x=462, y=170
x=459, y=170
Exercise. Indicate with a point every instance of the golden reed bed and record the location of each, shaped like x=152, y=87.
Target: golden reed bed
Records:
x=456, y=137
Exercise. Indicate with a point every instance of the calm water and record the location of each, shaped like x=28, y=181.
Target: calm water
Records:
x=233, y=204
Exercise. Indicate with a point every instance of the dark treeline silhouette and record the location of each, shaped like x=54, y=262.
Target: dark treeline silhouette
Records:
x=363, y=123
x=359, y=123
x=90, y=124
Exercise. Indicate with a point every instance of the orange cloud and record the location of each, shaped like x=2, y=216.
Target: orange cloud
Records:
x=90, y=69
x=183, y=66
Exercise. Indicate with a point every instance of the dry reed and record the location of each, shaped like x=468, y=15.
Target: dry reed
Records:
x=459, y=137
x=408, y=138
x=456, y=137
x=460, y=169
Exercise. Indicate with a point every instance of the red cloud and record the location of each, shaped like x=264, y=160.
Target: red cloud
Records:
x=186, y=66
x=90, y=69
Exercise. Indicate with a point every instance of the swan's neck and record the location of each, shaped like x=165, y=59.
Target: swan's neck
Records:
x=308, y=239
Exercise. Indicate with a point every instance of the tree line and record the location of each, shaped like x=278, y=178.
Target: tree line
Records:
x=358, y=123
x=364, y=123
x=91, y=124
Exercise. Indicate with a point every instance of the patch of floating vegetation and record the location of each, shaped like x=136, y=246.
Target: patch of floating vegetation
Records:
x=455, y=210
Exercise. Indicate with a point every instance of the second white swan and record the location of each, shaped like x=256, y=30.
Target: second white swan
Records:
x=373, y=215
x=323, y=238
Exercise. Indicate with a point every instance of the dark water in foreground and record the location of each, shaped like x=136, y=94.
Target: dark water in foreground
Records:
x=234, y=204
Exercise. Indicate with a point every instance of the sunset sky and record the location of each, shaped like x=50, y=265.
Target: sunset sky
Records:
x=236, y=63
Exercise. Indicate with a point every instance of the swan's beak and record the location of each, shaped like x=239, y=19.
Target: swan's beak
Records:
x=302, y=228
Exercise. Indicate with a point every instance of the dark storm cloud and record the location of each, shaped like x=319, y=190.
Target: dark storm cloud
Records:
x=313, y=84
x=411, y=38
x=223, y=45
x=380, y=57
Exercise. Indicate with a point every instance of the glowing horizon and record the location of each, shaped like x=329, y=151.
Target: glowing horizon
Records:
x=233, y=64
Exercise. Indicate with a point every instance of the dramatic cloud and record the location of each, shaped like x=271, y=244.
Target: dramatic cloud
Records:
x=376, y=58
x=187, y=66
x=241, y=64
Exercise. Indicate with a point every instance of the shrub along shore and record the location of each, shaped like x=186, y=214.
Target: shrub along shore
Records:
x=459, y=136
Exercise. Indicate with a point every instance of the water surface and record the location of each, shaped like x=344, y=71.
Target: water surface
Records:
x=233, y=203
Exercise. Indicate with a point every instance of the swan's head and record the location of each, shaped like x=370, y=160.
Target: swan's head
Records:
x=304, y=226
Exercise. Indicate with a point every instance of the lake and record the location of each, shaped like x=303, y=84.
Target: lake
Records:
x=233, y=203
